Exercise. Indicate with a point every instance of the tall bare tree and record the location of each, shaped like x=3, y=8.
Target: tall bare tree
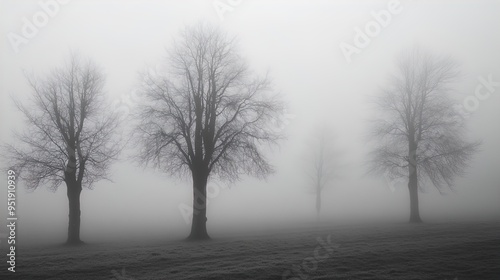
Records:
x=69, y=135
x=420, y=134
x=206, y=116
x=322, y=163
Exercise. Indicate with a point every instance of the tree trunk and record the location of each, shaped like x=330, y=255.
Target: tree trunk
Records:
x=318, y=202
x=199, y=224
x=413, y=185
x=74, y=191
x=414, y=212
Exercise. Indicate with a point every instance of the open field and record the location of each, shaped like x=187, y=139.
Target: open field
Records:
x=384, y=251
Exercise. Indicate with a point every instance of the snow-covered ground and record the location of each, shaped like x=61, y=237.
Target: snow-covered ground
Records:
x=377, y=251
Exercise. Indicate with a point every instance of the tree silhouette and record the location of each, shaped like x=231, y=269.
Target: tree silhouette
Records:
x=69, y=135
x=420, y=135
x=206, y=116
x=321, y=163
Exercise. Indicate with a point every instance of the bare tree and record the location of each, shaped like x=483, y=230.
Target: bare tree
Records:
x=206, y=116
x=322, y=163
x=69, y=135
x=420, y=134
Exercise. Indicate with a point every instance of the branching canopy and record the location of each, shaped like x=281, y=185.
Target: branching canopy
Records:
x=416, y=110
x=207, y=111
x=68, y=129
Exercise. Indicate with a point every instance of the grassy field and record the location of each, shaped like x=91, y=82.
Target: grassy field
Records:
x=389, y=251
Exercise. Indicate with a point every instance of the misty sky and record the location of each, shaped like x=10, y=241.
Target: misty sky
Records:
x=297, y=42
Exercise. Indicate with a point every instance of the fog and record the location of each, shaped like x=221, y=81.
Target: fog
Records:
x=298, y=44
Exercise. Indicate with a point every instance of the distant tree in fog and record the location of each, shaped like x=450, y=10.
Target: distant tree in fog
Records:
x=321, y=163
x=207, y=116
x=69, y=135
x=419, y=134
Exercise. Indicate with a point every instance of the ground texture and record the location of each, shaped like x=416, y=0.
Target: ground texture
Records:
x=396, y=251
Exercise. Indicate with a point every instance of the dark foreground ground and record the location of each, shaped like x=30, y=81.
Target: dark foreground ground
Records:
x=397, y=251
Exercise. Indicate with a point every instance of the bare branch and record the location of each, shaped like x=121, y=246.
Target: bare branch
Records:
x=207, y=112
x=419, y=128
x=68, y=129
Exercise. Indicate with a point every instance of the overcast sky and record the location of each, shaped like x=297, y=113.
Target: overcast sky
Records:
x=298, y=43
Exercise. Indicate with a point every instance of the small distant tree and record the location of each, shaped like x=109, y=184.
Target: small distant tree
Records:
x=420, y=135
x=207, y=116
x=69, y=135
x=321, y=163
